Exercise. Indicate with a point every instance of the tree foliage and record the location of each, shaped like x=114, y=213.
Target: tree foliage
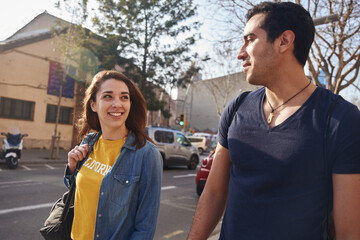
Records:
x=152, y=35
x=336, y=49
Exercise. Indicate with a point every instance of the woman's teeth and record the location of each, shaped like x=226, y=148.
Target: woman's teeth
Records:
x=115, y=114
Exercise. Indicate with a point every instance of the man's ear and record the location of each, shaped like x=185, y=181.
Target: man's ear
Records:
x=286, y=40
x=93, y=105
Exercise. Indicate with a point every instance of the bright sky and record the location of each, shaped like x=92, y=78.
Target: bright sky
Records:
x=14, y=14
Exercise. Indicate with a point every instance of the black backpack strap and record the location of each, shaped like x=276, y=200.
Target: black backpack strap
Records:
x=71, y=194
x=87, y=140
x=330, y=231
x=237, y=104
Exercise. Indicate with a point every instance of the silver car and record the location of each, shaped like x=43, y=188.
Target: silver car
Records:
x=174, y=147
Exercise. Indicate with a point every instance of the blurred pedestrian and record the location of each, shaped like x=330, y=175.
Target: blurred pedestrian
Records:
x=118, y=186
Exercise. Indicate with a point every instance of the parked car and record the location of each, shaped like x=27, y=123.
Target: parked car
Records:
x=202, y=143
x=211, y=137
x=174, y=147
x=203, y=173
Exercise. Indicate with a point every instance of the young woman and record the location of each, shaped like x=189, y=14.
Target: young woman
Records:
x=118, y=186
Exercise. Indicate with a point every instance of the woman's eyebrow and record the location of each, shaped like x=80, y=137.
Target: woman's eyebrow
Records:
x=113, y=92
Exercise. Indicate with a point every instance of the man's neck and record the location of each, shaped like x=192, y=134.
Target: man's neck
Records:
x=285, y=83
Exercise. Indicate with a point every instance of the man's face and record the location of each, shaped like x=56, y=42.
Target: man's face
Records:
x=257, y=53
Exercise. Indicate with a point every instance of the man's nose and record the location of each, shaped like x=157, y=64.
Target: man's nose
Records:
x=242, y=53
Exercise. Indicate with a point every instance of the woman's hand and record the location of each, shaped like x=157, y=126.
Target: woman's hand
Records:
x=75, y=155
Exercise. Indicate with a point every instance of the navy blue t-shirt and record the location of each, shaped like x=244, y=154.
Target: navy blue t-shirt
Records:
x=277, y=187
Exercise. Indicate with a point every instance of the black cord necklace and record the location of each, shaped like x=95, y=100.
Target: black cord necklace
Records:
x=271, y=116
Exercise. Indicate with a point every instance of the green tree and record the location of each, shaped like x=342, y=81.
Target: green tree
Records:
x=148, y=31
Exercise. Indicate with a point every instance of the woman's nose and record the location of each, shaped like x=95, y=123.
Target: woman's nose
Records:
x=116, y=102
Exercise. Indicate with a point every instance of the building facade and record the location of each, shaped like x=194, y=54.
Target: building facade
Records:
x=203, y=101
x=31, y=74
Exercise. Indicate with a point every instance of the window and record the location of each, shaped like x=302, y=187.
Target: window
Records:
x=182, y=140
x=164, y=137
x=195, y=139
x=16, y=109
x=66, y=114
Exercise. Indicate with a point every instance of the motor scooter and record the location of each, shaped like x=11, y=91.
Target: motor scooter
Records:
x=11, y=149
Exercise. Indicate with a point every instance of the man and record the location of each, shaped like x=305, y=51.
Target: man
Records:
x=269, y=168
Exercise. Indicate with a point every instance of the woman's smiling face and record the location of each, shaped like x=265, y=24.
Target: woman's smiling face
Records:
x=112, y=105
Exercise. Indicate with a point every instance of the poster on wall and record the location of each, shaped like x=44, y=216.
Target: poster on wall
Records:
x=56, y=73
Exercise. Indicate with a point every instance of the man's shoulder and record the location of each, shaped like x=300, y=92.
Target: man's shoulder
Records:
x=342, y=106
x=249, y=96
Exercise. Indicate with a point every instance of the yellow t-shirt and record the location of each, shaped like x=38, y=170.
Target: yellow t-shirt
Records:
x=88, y=182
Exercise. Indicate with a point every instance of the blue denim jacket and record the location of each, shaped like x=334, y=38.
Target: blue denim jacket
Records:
x=129, y=194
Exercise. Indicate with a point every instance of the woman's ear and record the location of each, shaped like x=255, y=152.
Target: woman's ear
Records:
x=93, y=105
x=286, y=40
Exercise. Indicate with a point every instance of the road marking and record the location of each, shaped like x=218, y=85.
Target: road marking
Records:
x=12, y=182
x=168, y=187
x=171, y=203
x=21, y=185
x=47, y=165
x=26, y=208
x=187, y=175
x=27, y=168
x=173, y=234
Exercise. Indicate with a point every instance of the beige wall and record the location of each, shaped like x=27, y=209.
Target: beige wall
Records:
x=201, y=108
x=25, y=76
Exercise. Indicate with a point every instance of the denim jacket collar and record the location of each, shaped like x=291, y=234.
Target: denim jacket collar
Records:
x=130, y=140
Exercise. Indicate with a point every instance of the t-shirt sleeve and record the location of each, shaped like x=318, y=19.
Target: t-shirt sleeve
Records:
x=225, y=122
x=346, y=149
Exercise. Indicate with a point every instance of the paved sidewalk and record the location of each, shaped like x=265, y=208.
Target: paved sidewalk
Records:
x=40, y=156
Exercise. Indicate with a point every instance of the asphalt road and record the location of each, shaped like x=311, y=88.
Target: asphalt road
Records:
x=27, y=194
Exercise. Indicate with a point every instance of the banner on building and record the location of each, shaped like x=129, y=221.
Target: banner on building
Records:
x=56, y=73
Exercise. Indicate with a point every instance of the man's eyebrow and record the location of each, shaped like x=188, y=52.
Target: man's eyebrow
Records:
x=249, y=35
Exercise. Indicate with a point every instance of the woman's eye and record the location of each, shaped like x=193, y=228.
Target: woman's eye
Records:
x=125, y=97
x=107, y=96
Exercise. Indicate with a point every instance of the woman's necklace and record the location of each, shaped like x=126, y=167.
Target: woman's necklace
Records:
x=271, y=116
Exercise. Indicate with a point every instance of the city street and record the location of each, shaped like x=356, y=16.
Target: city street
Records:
x=28, y=192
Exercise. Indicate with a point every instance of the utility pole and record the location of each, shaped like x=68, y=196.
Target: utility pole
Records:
x=326, y=19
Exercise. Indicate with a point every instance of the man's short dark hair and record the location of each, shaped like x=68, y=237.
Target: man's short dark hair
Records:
x=283, y=16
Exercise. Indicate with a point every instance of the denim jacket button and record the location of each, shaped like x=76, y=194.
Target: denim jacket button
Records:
x=97, y=235
x=102, y=193
x=99, y=214
x=127, y=181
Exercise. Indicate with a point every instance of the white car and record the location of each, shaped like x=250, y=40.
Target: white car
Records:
x=174, y=147
x=202, y=143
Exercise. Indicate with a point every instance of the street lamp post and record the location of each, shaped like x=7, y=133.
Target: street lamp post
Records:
x=326, y=19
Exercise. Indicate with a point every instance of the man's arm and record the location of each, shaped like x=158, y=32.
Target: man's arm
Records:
x=213, y=199
x=347, y=206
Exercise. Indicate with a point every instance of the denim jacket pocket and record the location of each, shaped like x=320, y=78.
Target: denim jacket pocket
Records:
x=124, y=188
